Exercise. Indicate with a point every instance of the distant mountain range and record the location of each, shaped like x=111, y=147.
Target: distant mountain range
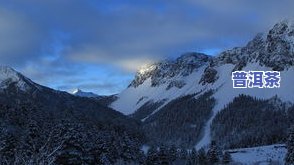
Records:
x=79, y=92
x=40, y=125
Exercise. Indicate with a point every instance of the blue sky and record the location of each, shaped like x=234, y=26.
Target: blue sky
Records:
x=97, y=45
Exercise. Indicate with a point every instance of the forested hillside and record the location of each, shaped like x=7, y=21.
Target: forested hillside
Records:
x=248, y=121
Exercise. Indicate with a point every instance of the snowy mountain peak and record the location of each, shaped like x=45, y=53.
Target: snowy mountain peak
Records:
x=7, y=72
x=192, y=58
x=79, y=92
x=277, y=51
x=274, y=49
x=9, y=76
x=165, y=88
x=283, y=27
x=76, y=91
x=165, y=71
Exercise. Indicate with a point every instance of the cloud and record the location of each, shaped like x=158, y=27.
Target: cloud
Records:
x=99, y=56
x=72, y=41
x=20, y=39
x=267, y=12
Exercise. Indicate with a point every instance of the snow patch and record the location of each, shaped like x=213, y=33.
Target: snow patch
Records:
x=259, y=155
x=8, y=76
x=127, y=101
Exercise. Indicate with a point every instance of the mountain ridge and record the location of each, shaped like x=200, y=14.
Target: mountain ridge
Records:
x=154, y=87
x=260, y=49
x=81, y=93
x=8, y=76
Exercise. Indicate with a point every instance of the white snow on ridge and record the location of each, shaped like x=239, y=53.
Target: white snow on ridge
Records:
x=8, y=74
x=263, y=51
x=128, y=100
x=79, y=92
x=133, y=98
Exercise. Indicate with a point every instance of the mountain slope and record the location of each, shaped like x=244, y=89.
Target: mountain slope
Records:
x=195, y=74
x=40, y=125
x=18, y=89
x=9, y=76
x=162, y=81
x=272, y=154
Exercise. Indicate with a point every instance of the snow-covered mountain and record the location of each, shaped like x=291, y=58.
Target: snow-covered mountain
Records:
x=79, y=92
x=157, y=85
x=17, y=89
x=10, y=77
x=45, y=126
x=188, y=102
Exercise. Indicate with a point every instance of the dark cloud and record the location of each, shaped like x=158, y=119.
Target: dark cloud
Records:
x=20, y=38
x=54, y=41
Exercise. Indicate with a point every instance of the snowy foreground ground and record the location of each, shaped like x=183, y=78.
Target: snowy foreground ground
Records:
x=264, y=155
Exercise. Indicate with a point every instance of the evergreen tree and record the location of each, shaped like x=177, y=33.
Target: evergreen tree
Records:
x=71, y=153
x=212, y=153
x=290, y=147
x=172, y=153
x=163, y=155
x=31, y=142
x=36, y=136
x=152, y=157
x=249, y=122
x=130, y=148
x=8, y=148
x=182, y=153
x=202, y=159
x=193, y=156
x=73, y=148
x=107, y=148
x=227, y=158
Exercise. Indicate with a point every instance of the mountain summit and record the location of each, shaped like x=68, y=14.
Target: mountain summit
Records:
x=9, y=78
x=274, y=49
x=194, y=81
x=79, y=92
x=167, y=71
x=45, y=126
